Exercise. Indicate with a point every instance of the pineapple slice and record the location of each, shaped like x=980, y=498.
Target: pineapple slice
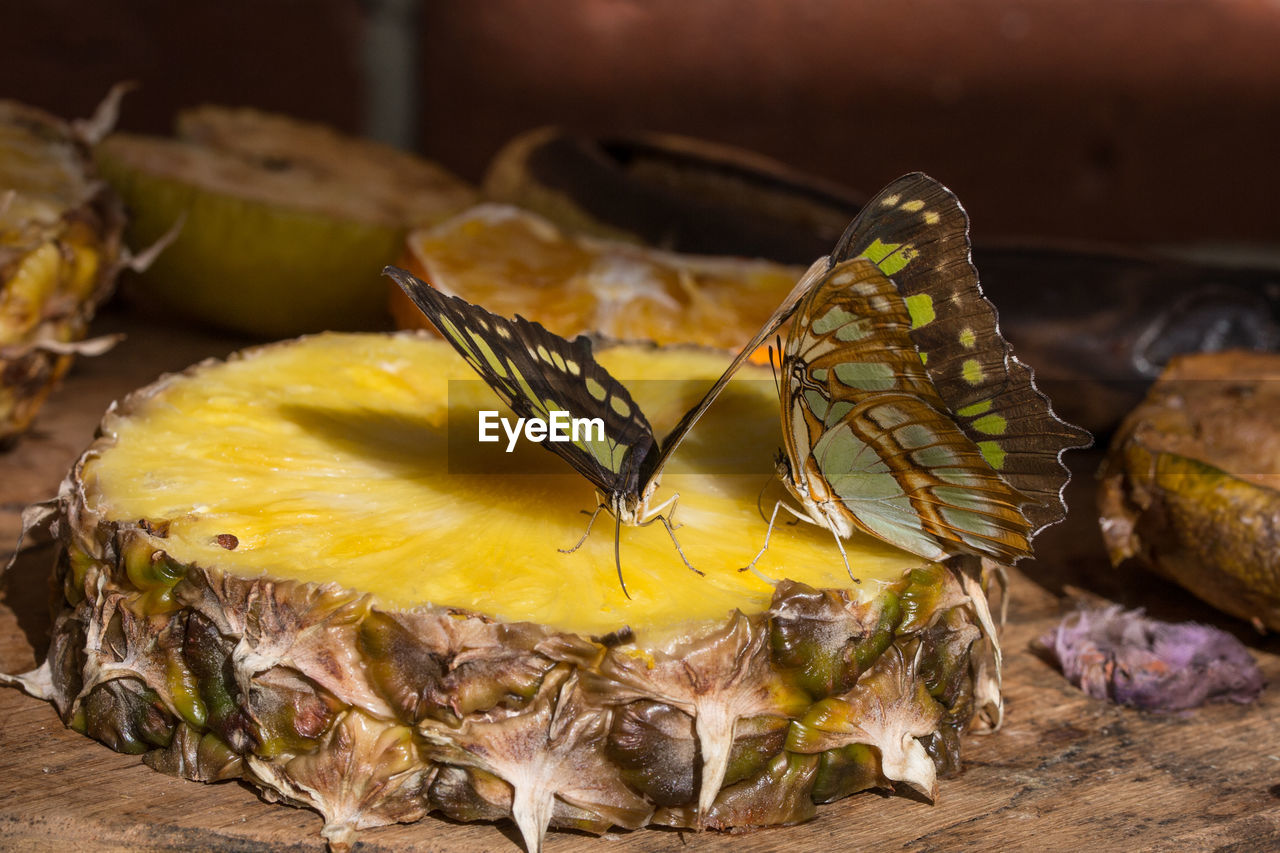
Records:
x=60, y=250
x=300, y=568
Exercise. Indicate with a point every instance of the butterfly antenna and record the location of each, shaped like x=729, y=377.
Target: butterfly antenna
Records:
x=773, y=365
x=760, y=498
x=617, y=554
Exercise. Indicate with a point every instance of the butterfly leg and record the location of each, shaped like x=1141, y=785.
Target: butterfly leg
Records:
x=671, y=531
x=799, y=517
x=585, y=533
x=751, y=567
x=840, y=545
x=672, y=502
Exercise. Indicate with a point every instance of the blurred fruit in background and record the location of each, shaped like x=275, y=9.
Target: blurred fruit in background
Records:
x=1191, y=485
x=60, y=251
x=515, y=262
x=285, y=224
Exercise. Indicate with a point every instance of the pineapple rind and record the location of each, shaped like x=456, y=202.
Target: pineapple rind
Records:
x=371, y=715
x=129, y=667
x=60, y=251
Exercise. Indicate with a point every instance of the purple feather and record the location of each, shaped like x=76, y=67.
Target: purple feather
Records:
x=1124, y=657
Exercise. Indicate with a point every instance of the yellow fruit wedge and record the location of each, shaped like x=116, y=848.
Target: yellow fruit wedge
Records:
x=285, y=224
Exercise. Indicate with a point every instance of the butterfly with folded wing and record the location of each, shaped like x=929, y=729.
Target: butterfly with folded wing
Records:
x=905, y=413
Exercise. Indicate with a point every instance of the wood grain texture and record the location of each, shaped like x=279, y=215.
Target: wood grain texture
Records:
x=1065, y=773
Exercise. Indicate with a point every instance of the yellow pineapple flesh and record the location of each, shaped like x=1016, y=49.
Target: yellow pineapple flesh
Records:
x=299, y=568
x=359, y=433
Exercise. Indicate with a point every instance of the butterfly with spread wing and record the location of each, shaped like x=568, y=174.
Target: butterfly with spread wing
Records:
x=905, y=414
x=537, y=372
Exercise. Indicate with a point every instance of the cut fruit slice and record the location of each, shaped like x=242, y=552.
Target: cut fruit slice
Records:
x=285, y=224
x=511, y=261
x=690, y=195
x=60, y=251
x=301, y=568
x=1190, y=487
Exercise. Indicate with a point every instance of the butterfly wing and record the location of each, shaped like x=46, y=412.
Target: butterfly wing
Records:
x=775, y=321
x=917, y=233
x=536, y=372
x=870, y=438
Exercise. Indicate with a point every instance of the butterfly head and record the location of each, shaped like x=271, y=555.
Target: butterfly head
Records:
x=782, y=465
x=630, y=508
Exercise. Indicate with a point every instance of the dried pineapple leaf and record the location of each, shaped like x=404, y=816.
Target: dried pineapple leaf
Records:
x=717, y=679
x=201, y=757
x=550, y=752
x=988, y=660
x=367, y=773
x=889, y=709
x=310, y=628
x=439, y=664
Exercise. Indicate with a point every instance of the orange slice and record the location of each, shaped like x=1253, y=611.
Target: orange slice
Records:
x=514, y=262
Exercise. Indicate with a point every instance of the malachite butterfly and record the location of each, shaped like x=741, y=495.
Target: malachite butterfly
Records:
x=536, y=372
x=905, y=413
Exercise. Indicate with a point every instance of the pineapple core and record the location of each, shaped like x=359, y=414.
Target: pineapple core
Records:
x=354, y=459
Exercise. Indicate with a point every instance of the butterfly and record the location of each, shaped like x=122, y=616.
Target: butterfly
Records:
x=905, y=413
x=537, y=372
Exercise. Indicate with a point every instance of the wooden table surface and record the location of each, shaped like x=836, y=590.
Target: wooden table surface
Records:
x=1065, y=773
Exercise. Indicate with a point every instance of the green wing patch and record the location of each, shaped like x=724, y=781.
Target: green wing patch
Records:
x=894, y=460
x=917, y=232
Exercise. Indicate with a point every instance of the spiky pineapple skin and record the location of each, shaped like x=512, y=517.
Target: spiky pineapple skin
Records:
x=60, y=251
x=371, y=716
x=289, y=686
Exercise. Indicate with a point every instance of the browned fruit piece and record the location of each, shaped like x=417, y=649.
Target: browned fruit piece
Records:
x=270, y=570
x=687, y=194
x=1191, y=485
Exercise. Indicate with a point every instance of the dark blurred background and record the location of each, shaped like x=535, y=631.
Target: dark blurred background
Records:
x=1132, y=121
